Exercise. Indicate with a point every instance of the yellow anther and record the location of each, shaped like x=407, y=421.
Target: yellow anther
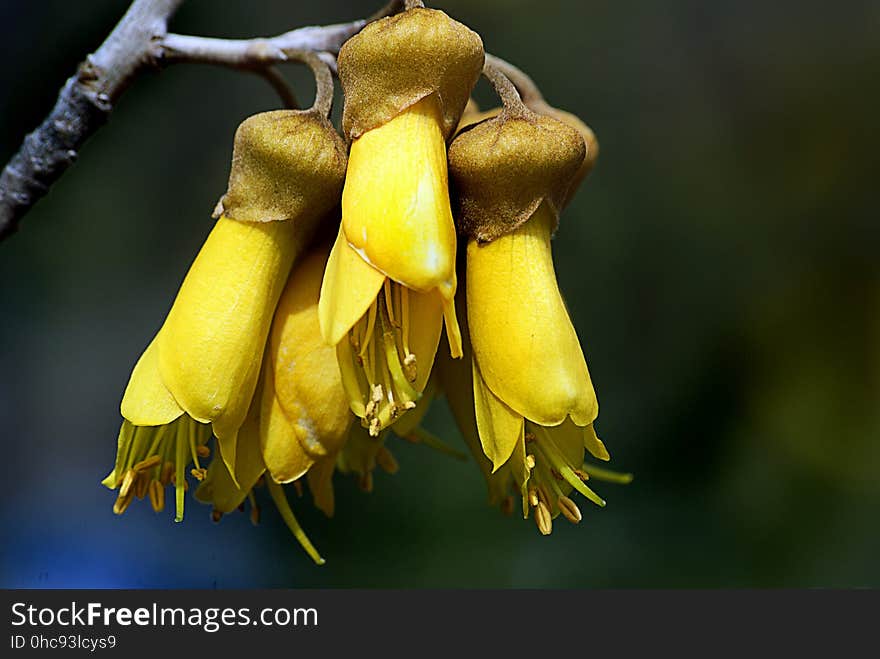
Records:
x=199, y=474
x=533, y=497
x=157, y=496
x=167, y=473
x=122, y=503
x=410, y=369
x=580, y=473
x=141, y=485
x=149, y=463
x=375, y=427
x=569, y=509
x=543, y=519
x=127, y=482
x=530, y=461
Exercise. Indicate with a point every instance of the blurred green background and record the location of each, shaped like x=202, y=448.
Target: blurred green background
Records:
x=720, y=265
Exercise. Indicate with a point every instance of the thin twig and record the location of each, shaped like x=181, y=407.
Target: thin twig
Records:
x=139, y=41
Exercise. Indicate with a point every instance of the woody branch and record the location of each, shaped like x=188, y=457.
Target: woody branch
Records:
x=140, y=41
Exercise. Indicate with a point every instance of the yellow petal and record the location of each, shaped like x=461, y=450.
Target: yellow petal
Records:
x=320, y=480
x=350, y=286
x=395, y=203
x=425, y=323
x=453, y=332
x=219, y=488
x=211, y=345
x=308, y=385
x=500, y=427
x=523, y=340
x=595, y=445
x=146, y=401
x=569, y=439
x=283, y=454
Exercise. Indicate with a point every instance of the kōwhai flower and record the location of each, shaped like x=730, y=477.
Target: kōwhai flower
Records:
x=534, y=402
x=199, y=373
x=390, y=281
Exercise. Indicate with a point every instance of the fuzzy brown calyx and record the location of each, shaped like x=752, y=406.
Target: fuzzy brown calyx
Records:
x=505, y=167
x=286, y=165
x=542, y=107
x=592, y=144
x=397, y=61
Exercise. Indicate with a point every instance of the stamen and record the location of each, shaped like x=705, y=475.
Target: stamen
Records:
x=368, y=333
x=167, y=473
x=141, y=485
x=533, y=497
x=569, y=509
x=507, y=505
x=122, y=503
x=157, y=496
x=530, y=461
x=199, y=473
x=386, y=461
x=543, y=519
x=127, y=482
x=216, y=515
x=389, y=301
x=421, y=436
x=366, y=482
x=554, y=456
x=298, y=486
x=255, y=513
x=203, y=451
x=580, y=473
x=530, y=437
x=287, y=515
x=150, y=462
x=608, y=475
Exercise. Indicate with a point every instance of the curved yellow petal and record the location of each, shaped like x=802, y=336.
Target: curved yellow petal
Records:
x=349, y=287
x=453, y=332
x=211, y=345
x=219, y=488
x=594, y=445
x=395, y=203
x=146, y=401
x=523, y=339
x=569, y=439
x=282, y=452
x=308, y=384
x=425, y=323
x=500, y=427
x=320, y=480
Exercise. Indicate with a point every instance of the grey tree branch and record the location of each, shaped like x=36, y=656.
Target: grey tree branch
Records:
x=140, y=41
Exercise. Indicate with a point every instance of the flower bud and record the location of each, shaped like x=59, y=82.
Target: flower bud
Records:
x=397, y=61
x=505, y=167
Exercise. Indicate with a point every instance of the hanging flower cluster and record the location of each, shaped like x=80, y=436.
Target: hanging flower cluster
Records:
x=299, y=352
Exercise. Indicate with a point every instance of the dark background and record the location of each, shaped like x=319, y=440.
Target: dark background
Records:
x=720, y=265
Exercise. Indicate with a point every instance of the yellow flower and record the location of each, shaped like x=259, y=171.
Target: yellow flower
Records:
x=390, y=280
x=534, y=401
x=304, y=413
x=200, y=371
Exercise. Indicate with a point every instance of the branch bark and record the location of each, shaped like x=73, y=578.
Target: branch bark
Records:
x=139, y=41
